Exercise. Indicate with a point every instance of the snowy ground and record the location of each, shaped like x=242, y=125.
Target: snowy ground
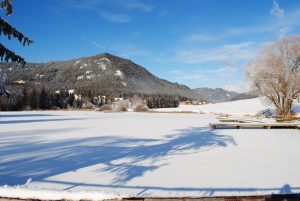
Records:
x=102, y=155
x=241, y=107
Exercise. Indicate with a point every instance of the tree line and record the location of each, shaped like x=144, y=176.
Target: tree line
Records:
x=162, y=102
x=31, y=98
x=35, y=99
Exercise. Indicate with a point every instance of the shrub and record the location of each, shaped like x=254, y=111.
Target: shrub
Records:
x=121, y=109
x=141, y=108
x=87, y=105
x=105, y=108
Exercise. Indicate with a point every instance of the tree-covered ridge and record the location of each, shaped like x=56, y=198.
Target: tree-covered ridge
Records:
x=102, y=74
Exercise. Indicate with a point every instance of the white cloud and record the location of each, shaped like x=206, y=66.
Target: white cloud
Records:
x=230, y=33
x=230, y=58
x=283, y=31
x=276, y=10
x=238, y=86
x=224, y=77
x=83, y=5
x=114, y=17
x=120, y=11
x=227, y=52
x=183, y=76
x=287, y=22
x=202, y=38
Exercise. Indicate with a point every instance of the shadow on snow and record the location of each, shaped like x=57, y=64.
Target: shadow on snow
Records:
x=25, y=156
x=39, y=120
x=285, y=189
x=8, y=115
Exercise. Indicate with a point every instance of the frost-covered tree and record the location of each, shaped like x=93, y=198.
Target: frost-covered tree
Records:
x=9, y=32
x=275, y=73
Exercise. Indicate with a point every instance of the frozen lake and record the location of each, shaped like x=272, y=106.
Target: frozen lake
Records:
x=144, y=154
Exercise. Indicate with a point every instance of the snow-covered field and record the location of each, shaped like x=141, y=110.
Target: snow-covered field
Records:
x=240, y=107
x=93, y=155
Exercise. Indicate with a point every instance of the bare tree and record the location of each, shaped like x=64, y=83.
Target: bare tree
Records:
x=275, y=73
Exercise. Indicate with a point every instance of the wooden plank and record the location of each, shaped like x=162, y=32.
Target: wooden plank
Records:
x=238, y=120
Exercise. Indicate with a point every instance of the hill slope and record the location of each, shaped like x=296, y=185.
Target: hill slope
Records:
x=102, y=74
x=216, y=95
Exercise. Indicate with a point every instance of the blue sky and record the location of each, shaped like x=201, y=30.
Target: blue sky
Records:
x=195, y=42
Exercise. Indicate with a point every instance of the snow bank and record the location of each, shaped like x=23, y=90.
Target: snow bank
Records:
x=22, y=192
x=119, y=73
x=240, y=107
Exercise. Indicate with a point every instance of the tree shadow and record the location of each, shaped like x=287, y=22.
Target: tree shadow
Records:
x=8, y=115
x=144, y=191
x=38, y=159
x=286, y=189
x=21, y=121
x=296, y=108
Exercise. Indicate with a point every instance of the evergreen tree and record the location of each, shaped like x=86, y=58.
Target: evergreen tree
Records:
x=34, y=99
x=71, y=99
x=5, y=54
x=44, y=100
x=10, y=32
x=25, y=98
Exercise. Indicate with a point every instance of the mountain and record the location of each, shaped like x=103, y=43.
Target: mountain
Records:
x=216, y=95
x=246, y=95
x=104, y=74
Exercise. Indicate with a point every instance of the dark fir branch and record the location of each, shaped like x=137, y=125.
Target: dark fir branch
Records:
x=9, y=31
x=8, y=55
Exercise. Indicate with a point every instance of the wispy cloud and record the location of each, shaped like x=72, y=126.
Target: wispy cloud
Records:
x=230, y=59
x=239, y=51
x=203, y=38
x=134, y=5
x=230, y=33
x=163, y=13
x=93, y=43
x=130, y=50
x=224, y=76
x=120, y=11
x=238, y=86
x=276, y=10
x=284, y=23
x=184, y=76
x=83, y=5
x=114, y=17
x=97, y=45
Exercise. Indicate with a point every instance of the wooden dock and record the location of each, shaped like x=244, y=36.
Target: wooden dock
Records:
x=239, y=125
x=238, y=120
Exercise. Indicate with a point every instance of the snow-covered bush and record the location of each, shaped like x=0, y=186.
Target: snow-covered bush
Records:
x=120, y=109
x=141, y=108
x=87, y=105
x=105, y=108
